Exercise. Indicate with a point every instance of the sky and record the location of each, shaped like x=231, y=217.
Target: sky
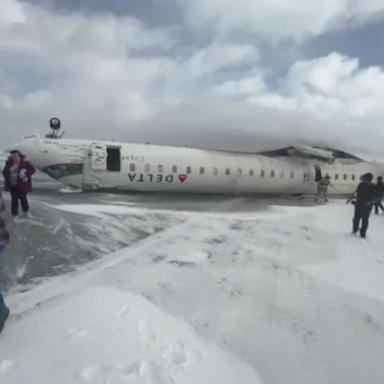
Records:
x=245, y=74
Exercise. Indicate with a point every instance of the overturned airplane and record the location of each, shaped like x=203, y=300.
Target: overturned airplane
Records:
x=100, y=165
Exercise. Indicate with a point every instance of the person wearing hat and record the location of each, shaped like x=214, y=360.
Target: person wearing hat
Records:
x=379, y=187
x=18, y=180
x=365, y=198
x=4, y=238
x=322, y=188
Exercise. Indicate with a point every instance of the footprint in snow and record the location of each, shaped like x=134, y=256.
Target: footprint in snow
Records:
x=76, y=334
x=123, y=310
x=103, y=374
x=6, y=366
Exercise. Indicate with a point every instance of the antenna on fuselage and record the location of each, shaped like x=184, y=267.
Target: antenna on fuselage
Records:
x=55, y=125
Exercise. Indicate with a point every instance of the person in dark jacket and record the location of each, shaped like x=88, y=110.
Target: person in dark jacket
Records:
x=379, y=187
x=18, y=180
x=365, y=198
x=4, y=238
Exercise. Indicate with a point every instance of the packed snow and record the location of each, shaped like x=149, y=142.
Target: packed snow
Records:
x=284, y=295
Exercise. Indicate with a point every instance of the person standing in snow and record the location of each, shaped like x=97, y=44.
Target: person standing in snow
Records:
x=379, y=187
x=322, y=188
x=4, y=238
x=18, y=181
x=365, y=198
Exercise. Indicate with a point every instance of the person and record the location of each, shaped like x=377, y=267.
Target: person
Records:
x=18, y=181
x=4, y=238
x=364, y=200
x=322, y=188
x=379, y=187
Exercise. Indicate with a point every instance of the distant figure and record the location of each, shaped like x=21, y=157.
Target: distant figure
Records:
x=379, y=187
x=365, y=198
x=4, y=238
x=322, y=188
x=18, y=181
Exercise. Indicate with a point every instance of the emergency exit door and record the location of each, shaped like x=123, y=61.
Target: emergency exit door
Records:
x=318, y=174
x=98, y=157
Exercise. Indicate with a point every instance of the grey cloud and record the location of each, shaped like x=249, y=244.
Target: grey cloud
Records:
x=152, y=12
x=126, y=78
x=363, y=41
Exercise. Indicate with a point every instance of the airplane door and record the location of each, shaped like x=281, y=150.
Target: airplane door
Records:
x=98, y=157
x=307, y=175
x=318, y=175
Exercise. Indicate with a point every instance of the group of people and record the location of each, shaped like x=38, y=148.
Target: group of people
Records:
x=18, y=181
x=367, y=196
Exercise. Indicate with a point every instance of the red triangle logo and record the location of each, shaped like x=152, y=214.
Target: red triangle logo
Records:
x=183, y=178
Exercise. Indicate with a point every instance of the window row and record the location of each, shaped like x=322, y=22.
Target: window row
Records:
x=215, y=171
x=345, y=177
x=239, y=172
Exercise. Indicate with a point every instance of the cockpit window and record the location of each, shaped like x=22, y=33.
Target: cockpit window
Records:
x=58, y=171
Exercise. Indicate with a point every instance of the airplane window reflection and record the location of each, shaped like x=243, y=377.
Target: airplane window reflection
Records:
x=61, y=170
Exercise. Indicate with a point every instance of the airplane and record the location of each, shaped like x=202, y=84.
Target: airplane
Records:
x=110, y=165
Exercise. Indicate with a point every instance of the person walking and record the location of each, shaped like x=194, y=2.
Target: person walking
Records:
x=4, y=238
x=365, y=198
x=322, y=188
x=18, y=181
x=379, y=188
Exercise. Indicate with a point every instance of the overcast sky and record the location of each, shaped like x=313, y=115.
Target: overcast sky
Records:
x=242, y=74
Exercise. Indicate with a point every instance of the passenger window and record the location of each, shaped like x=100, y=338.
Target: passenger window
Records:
x=174, y=169
x=202, y=170
x=227, y=171
x=262, y=173
x=336, y=176
x=292, y=175
x=160, y=168
x=147, y=168
x=251, y=173
x=215, y=170
x=189, y=170
x=239, y=172
x=353, y=177
x=132, y=167
x=305, y=176
x=272, y=173
x=345, y=176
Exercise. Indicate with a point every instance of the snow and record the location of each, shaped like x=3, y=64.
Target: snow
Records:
x=284, y=295
x=105, y=335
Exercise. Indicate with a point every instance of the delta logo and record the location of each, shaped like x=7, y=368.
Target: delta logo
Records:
x=156, y=178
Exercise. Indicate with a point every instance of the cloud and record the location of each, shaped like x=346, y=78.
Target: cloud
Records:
x=278, y=19
x=81, y=68
x=219, y=55
x=335, y=83
x=327, y=86
x=114, y=77
x=245, y=86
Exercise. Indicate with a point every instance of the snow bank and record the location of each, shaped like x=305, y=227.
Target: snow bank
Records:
x=104, y=335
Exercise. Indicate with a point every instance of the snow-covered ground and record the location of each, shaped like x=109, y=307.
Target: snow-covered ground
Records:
x=283, y=295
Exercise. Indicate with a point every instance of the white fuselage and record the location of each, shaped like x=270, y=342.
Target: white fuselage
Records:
x=137, y=167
